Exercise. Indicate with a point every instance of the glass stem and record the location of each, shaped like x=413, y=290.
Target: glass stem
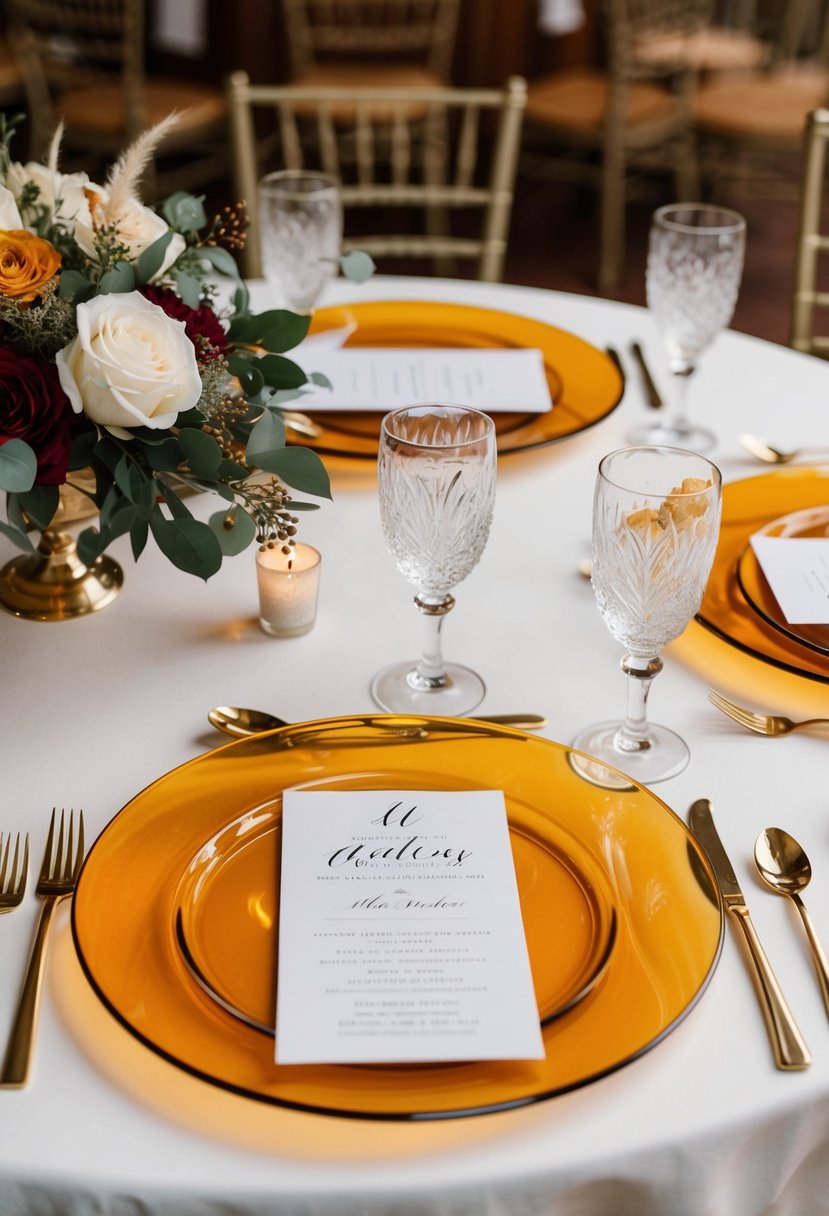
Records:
x=632, y=735
x=430, y=672
x=682, y=373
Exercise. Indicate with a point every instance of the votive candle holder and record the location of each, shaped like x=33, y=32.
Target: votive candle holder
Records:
x=288, y=589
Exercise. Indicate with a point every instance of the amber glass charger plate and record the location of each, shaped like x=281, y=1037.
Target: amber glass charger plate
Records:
x=623, y=922
x=814, y=522
x=585, y=384
x=738, y=605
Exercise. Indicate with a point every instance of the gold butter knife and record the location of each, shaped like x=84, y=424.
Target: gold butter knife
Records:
x=787, y=1043
x=651, y=391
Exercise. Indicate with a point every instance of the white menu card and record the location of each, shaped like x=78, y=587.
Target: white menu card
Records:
x=797, y=569
x=400, y=934
x=382, y=378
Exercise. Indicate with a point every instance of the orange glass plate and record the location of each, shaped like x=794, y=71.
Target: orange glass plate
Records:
x=229, y=938
x=613, y=856
x=585, y=384
x=749, y=506
x=753, y=583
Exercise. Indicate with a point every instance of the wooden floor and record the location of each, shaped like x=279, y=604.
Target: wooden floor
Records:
x=553, y=244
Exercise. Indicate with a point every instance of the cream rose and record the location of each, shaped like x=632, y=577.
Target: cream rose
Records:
x=130, y=364
x=137, y=227
x=9, y=214
x=62, y=194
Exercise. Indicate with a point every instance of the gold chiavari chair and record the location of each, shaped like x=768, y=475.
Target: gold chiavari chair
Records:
x=399, y=168
x=812, y=242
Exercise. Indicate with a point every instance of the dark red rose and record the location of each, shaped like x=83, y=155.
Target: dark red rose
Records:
x=202, y=326
x=34, y=407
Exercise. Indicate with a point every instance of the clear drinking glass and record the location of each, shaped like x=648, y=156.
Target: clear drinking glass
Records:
x=656, y=518
x=301, y=232
x=436, y=472
x=695, y=263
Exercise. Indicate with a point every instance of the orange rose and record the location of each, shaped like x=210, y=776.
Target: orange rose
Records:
x=26, y=263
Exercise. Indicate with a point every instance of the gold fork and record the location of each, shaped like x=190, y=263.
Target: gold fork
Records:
x=58, y=875
x=761, y=724
x=13, y=881
x=771, y=455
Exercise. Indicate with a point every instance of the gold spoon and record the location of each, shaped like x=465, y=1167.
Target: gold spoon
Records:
x=764, y=451
x=242, y=723
x=785, y=868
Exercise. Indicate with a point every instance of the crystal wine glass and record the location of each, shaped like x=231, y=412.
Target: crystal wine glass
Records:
x=695, y=263
x=301, y=226
x=436, y=471
x=656, y=516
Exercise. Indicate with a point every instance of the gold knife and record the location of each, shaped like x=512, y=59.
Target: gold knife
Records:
x=651, y=391
x=787, y=1043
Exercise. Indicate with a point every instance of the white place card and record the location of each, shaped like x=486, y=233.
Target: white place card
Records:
x=400, y=933
x=368, y=378
x=797, y=569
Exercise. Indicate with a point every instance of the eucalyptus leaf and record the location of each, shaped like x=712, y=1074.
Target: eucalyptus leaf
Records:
x=18, y=466
x=189, y=288
x=267, y=435
x=40, y=504
x=14, y=511
x=119, y=278
x=16, y=537
x=280, y=372
x=177, y=508
x=320, y=380
x=152, y=259
x=139, y=532
x=234, y=530
x=221, y=259
x=201, y=451
x=75, y=286
x=277, y=330
x=357, y=265
x=83, y=445
x=164, y=457
x=252, y=380
x=299, y=467
x=91, y=544
x=184, y=212
x=189, y=544
x=231, y=470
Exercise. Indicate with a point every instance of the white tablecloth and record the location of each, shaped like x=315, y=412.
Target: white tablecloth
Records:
x=95, y=709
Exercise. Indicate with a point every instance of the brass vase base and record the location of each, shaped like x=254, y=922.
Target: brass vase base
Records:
x=53, y=584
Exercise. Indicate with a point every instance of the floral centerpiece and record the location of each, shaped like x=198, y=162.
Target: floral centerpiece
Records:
x=116, y=356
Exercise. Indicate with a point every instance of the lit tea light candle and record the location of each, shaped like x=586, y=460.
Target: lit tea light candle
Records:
x=288, y=590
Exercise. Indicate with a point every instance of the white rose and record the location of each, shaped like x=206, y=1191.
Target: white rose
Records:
x=137, y=228
x=9, y=215
x=130, y=364
x=62, y=194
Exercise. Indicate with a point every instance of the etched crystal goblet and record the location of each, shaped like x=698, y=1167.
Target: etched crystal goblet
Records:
x=656, y=517
x=301, y=227
x=695, y=263
x=436, y=474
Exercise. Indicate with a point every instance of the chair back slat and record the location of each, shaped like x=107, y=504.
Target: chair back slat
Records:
x=418, y=30
x=812, y=242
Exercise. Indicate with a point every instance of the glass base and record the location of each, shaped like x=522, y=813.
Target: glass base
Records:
x=665, y=756
x=667, y=434
x=391, y=689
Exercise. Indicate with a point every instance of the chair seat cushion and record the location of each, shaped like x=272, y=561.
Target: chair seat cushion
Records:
x=710, y=50
x=577, y=100
x=772, y=107
x=100, y=109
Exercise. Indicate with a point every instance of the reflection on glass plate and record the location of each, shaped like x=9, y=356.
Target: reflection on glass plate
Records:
x=623, y=922
x=755, y=587
x=749, y=506
x=584, y=382
x=227, y=912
